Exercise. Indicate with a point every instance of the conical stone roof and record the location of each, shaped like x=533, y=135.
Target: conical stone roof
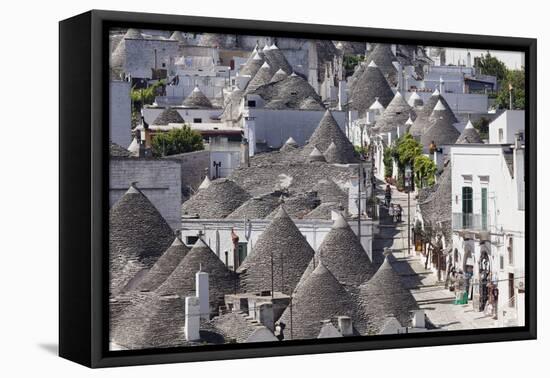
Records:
x=289, y=93
x=133, y=34
x=252, y=65
x=342, y=253
x=279, y=75
x=367, y=87
x=138, y=235
x=168, y=115
x=328, y=191
x=205, y=183
x=182, y=280
x=382, y=296
x=320, y=297
x=469, y=135
x=164, y=266
x=290, y=145
x=421, y=123
x=335, y=155
x=382, y=55
x=298, y=205
x=257, y=207
x=283, y=244
x=153, y=322
x=197, y=99
x=415, y=100
x=216, y=201
x=177, y=36
x=329, y=132
x=315, y=155
x=395, y=115
x=277, y=59
x=262, y=77
x=440, y=130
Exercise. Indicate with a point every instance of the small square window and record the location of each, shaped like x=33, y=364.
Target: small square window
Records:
x=251, y=103
x=197, y=120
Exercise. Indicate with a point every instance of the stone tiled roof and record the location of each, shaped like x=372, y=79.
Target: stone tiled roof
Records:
x=288, y=93
x=116, y=150
x=138, y=235
x=469, y=135
x=382, y=55
x=342, y=253
x=164, y=266
x=382, y=296
x=177, y=36
x=395, y=115
x=168, y=115
x=236, y=327
x=257, y=207
x=440, y=129
x=282, y=244
x=290, y=144
x=422, y=123
x=298, y=205
x=367, y=87
x=320, y=297
x=218, y=200
x=262, y=77
x=197, y=99
x=182, y=280
x=287, y=169
x=277, y=60
x=133, y=34
x=279, y=75
x=231, y=109
x=324, y=210
x=158, y=321
x=329, y=132
x=252, y=65
x=328, y=191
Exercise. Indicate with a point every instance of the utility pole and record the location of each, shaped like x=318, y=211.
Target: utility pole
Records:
x=408, y=185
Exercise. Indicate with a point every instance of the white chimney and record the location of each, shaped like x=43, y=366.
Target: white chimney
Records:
x=394, y=49
x=441, y=85
x=192, y=319
x=468, y=60
x=418, y=320
x=345, y=326
x=250, y=132
x=202, y=292
x=264, y=314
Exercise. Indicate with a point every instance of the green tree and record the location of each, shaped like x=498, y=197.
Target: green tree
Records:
x=350, y=61
x=146, y=96
x=516, y=80
x=424, y=171
x=408, y=149
x=176, y=141
x=491, y=65
x=482, y=127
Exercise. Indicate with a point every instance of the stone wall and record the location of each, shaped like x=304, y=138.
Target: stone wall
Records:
x=140, y=56
x=158, y=179
x=120, y=113
x=193, y=167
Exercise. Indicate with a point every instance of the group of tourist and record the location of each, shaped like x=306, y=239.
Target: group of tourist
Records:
x=395, y=211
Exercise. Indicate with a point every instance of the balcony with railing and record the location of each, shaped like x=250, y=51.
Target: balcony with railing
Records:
x=472, y=222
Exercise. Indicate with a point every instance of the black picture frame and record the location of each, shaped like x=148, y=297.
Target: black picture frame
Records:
x=83, y=180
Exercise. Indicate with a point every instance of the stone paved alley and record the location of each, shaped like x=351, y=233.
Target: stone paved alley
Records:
x=431, y=295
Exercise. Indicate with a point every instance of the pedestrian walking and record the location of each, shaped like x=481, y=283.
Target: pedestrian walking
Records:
x=399, y=213
x=387, y=196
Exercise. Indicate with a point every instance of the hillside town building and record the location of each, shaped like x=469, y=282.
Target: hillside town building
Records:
x=295, y=218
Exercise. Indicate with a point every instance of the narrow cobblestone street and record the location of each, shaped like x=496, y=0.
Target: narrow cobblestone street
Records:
x=431, y=295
